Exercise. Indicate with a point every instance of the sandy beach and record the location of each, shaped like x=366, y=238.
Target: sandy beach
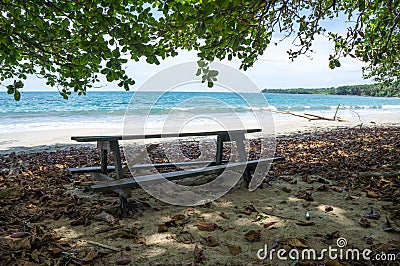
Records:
x=50, y=139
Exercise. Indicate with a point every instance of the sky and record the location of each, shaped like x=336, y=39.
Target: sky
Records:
x=273, y=70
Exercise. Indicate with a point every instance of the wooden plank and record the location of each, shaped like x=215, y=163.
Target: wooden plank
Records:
x=132, y=182
x=158, y=136
x=110, y=168
x=94, y=169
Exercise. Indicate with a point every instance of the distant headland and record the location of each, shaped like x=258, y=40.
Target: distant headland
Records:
x=376, y=90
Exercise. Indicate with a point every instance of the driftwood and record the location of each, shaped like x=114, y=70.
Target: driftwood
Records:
x=312, y=117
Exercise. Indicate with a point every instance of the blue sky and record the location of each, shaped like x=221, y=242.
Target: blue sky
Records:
x=272, y=70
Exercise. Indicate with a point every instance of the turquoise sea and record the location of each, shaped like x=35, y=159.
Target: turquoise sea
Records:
x=47, y=110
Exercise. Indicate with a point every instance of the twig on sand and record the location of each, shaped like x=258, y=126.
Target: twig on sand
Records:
x=337, y=109
x=102, y=245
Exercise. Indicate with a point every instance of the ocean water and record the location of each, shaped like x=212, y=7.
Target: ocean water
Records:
x=47, y=110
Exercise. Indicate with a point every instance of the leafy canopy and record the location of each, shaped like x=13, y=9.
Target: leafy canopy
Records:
x=71, y=43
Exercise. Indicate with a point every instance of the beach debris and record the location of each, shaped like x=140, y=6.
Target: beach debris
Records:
x=178, y=217
x=323, y=187
x=260, y=217
x=372, y=214
x=308, y=216
x=185, y=237
x=303, y=223
x=269, y=224
x=198, y=254
x=211, y=241
x=81, y=220
x=388, y=227
x=253, y=235
x=162, y=228
x=368, y=240
x=234, y=250
x=204, y=226
x=123, y=259
x=224, y=215
x=331, y=236
x=364, y=222
x=127, y=232
x=303, y=194
x=90, y=255
x=372, y=194
x=106, y=217
x=294, y=242
x=19, y=234
x=140, y=240
x=248, y=210
x=328, y=208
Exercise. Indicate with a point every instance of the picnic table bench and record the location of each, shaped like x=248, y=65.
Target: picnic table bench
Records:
x=123, y=186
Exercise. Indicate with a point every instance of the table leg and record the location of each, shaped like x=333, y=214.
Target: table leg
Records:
x=118, y=164
x=239, y=139
x=220, y=149
x=104, y=161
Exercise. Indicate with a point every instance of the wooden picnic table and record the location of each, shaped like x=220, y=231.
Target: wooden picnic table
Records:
x=111, y=143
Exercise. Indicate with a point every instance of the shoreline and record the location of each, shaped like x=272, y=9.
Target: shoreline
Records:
x=54, y=139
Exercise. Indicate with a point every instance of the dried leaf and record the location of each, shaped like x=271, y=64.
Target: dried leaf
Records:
x=368, y=240
x=224, y=215
x=198, y=254
x=123, y=259
x=364, y=222
x=35, y=255
x=302, y=194
x=162, y=228
x=266, y=225
x=234, y=250
x=388, y=227
x=333, y=235
x=140, y=240
x=178, y=217
x=211, y=241
x=372, y=214
x=90, y=255
x=203, y=226
x=253, y=235
x=323, y=187
x=294, y=242
x=372, y=194
x=19, y=234
x=246, y=211
x=303, y=223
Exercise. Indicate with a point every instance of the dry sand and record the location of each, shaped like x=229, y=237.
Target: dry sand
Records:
x=51, y=139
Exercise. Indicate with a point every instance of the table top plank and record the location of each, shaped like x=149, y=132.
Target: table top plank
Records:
x=158, y=136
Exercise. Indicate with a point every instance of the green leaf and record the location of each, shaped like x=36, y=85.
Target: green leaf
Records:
x=201, y=63
x=17, y=95
x=198, y=72
x=361, y=5
x=213, y=73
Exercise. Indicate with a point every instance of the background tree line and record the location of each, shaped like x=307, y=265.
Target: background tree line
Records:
x=377, y=90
